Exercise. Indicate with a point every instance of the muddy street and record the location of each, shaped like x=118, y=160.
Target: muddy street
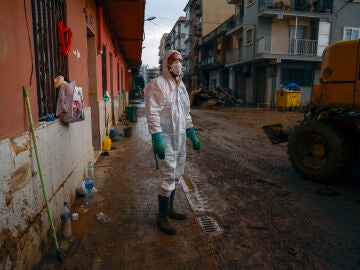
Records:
x=271, y=218
x=248, y=209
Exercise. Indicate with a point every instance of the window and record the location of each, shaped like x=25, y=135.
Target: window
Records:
x=103, y=69
x=303, y=77
x=351, y=33
x=297, y=39
x=47, y=52
x=249, y=36
x=111, y=74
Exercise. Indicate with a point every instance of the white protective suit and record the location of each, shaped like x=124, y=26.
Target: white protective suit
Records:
x=167, y=111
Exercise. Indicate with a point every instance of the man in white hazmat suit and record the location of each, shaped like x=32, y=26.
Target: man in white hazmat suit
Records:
x=167, y=111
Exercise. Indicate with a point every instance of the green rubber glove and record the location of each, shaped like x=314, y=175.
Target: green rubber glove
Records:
x=158, y=146
x=190, y=133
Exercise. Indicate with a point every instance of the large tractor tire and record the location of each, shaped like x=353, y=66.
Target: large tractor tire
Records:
x=319, y=152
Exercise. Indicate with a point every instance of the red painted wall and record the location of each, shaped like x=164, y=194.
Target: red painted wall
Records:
x=106, y=39
x=15, y=66
x=77, y=58
x=17, y=61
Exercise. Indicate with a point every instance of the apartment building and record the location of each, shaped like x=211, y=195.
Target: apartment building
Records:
x=212, y=60
x=276, y=42
x=152, y=73
x=176, y=37
x=149, y=73
x=164, y=46
x=202, y=17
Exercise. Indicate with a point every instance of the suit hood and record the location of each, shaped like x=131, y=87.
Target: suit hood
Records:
x=165, y=71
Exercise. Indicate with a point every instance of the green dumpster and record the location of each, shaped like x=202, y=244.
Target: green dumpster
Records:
x=131, y=113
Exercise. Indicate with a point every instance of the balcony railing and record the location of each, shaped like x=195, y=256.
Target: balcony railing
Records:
x=275, y=46
x=286, y=46
x=234, y=56
x=237, y=21
x=209, y=60
x=323, y=6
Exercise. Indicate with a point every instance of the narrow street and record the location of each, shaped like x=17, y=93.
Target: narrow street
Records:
x=248, y=209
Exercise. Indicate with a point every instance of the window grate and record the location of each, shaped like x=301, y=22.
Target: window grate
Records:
x=48, y=58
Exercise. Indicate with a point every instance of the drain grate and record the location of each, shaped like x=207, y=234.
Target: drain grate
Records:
x=209, y=225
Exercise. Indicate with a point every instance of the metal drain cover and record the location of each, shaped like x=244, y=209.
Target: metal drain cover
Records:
x=209, y=225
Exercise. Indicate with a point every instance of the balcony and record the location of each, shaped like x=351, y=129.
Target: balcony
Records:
x=236, y=23
x=286, y=46
x=283, y=48
x=190, y=39
x=319, y=6
x=234, y=56
x=211, y=62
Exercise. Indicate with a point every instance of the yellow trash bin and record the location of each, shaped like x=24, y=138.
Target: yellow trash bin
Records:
x=287, y=99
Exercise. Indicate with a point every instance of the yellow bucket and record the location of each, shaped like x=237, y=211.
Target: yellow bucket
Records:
x=107, y=143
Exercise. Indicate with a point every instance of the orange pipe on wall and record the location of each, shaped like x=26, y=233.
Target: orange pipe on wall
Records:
x=100, y=28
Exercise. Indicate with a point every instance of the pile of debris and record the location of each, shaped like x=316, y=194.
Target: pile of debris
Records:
x=214, y=96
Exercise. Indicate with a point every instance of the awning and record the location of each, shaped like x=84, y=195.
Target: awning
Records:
x=126, y=21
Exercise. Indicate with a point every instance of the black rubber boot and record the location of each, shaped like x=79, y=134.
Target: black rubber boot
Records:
x=172, y=212
x=162, y=220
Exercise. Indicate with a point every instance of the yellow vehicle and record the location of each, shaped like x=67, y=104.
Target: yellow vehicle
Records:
x=326, y=144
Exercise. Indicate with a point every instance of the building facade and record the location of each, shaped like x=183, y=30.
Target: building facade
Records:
x=176, y=37
x=163, y=47
x=256, y=47
x=97, y=44
x=202, y=17
x=212, y=58
x=278, y=42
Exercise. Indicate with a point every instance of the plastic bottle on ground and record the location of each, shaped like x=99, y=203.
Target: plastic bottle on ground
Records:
x=66, y=221
x=91, y=171
x=89, y=192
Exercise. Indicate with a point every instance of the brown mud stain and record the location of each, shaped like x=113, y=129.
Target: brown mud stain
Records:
x=19, y=148
x=19, y=178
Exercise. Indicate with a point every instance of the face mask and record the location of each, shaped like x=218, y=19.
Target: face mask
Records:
x=176, y=68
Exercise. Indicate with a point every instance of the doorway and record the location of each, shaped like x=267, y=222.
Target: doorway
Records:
x=91, y=63
x=260, y=85
x=240, y=85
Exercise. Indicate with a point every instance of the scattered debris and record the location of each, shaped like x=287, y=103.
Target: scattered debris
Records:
x=83, y=209
x=214, y=96
x=103, y=218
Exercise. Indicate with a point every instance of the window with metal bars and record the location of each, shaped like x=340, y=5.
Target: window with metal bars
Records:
x=47, y=51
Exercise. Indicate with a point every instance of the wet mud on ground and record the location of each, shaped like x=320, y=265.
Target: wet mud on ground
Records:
x=248, y=209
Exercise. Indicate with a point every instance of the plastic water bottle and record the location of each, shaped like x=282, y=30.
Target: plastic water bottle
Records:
x=89, y=192
x=66, y=219
x=91, y=171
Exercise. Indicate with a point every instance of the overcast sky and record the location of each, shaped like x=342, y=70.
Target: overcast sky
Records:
x=167, y=13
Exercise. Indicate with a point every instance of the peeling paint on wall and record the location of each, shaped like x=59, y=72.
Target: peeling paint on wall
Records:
x=18, y=148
